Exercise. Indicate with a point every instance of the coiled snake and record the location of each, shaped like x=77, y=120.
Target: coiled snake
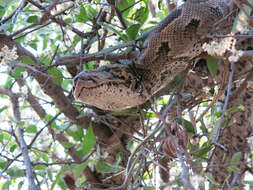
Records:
x=172, y=46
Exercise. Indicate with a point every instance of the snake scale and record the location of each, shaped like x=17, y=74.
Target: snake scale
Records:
x=172, y=46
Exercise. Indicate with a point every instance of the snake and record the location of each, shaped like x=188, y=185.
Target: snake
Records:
x=174, y=44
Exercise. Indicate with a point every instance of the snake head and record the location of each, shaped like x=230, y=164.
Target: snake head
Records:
x=111, y=87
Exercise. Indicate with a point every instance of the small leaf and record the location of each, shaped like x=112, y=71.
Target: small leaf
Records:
x=81, y=180
x=82, y=16
x=204, y=151
x=247, y=182
x=236, y=158
x=45, y=42
x=79, y=169
x=210, y=178
x=27, y=60
x=57, y=75
x=77, y=133
x=234, y=108
x=31, y=129
x=234, y=169
x=112, y=29
x=40, y=167
x=17, y=72
x=141, y=14
x=92, y=13
x=13, y=147
x=20, y=185
x=203, y=126
x=44, y=156
x=33, y=19
x=3, y=164
x=3, y=108
x=8, y=82
x=1, y=138
x=89, y=141
x=123, y=5
x=6, y=185
x=105, y=167
x=2, y=11
x=15, y=172
x=187, y=124
x=149, y=188
x=212, y=65
x=67, y=144
x=132, y=31
x=21, y=124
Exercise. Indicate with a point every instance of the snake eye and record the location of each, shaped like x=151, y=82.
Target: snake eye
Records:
x=105, y=68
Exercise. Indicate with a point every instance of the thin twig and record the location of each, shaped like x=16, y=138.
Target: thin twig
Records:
x=225, y=104
x=184, y=176
x=235, y=178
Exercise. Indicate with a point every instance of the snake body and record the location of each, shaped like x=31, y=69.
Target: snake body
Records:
x=172, y=46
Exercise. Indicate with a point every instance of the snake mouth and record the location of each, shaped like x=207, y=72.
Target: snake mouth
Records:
x=94, y=86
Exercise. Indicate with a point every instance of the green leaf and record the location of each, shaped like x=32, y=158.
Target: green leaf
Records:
x=13, y=147
x=40, y=167
x=234, y=169
x=247, y=182
x=79, y=169
x=17, y=72
x=105, y=167
x=20, y=185
x=132, y=31
x=204, y=151
x=236, y=158
x=212, y=65
x=8, y=82
x=89, y=141
x=149, y=188
x=3, y=164
x=122, y=5
x=68, y=20
x=27, y=60
x=235, y=107
x=67, y=144
x=185, y=123
x=6, y=185
x=210, y=178
x=203, y=126
x=45, y=42
x=2, y=11
x=57, y=75
x=92, y=13
x=31, y=129
x=21, y=124
x=1, y=138
x=112, y=29
x=44, y=156
x=77, y=134
x=61, y=183
x=82, y=16
x=33, y=19
x=15, y=172
x=81, y=180
x=3, y=108
x=141, y=15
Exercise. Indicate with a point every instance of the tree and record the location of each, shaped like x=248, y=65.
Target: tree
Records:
x=193, y=134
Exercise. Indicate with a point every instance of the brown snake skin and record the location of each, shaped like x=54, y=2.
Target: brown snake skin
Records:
x=173, y=45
